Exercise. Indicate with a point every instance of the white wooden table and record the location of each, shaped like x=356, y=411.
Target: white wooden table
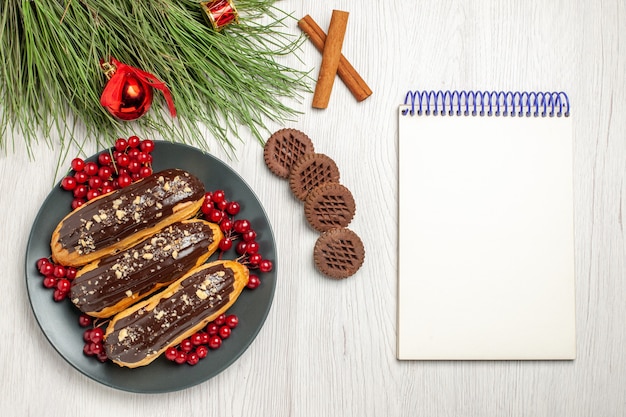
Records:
x=328, y=347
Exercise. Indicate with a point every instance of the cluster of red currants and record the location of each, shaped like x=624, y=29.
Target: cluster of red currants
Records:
x=197, y=347
x=128, y=161
x=239, y=233
x=56, y=277
x=93, y=338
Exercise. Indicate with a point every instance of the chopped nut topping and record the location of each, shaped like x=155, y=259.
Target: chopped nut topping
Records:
x=201, y=295
x=148, y=256
x=123, y=334
x=129, y=293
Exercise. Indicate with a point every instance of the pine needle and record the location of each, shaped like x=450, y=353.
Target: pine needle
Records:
x=51, y=80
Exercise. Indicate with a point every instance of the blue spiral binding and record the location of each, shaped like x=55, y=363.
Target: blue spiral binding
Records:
x=489, y=103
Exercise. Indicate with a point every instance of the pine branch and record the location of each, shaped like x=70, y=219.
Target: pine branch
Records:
x=50, y=78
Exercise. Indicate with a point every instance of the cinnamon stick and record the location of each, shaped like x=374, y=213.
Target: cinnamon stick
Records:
x=330, y=59
x=347, y=73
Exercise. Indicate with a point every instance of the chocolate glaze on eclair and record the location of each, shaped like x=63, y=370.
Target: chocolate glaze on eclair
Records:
x=138, y=335
x=107, y=286
x=119, y=219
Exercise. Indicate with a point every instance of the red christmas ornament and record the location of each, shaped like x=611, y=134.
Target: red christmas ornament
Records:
x=127, y=94
x=220, y=13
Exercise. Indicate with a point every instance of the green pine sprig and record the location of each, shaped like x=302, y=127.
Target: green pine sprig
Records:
x=51, y=80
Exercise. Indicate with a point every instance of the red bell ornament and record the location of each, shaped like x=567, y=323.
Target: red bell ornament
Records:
x=127, y=94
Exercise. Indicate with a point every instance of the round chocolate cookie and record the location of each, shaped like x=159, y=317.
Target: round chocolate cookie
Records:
x=338, y=253
x=311, y=171
x=329, y=205
x=285, y=147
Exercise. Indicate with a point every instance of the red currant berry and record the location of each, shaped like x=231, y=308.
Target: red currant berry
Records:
x=77, y=202
x=87, y=335
x=84, y=320
x=95, y=182
x=121, y=144
x=241, y=226
x=253, y=247
x=134, y=141
x=249, y=236
x=186, y=345
x=215, y=342
x=42, y=261
x=68, y=183
x=80, y=191
x=241, y=247
x=146, y=145
x=226, y=224
x=255, y=258
x=222, y=205
x=181, y=357
x=133, y=153
x=50, y=281
x=124, y=180
x=207, y=207
x=204, y=338
x=91, y=169
x=46, y=268
x=145, y=172
x=196, y=339
x=96, y=335
x=192, y=358
x=96, y=347
x=216, y=215
x=77, y=164
x=225, y=244
x=81, y=177
x=218, y=195
x=70, y=272
x=122, y=160
x=134, y=166
x=102, y=356
x=107, y=189
x=224, y=332
x=87, y=349
x=135, y=176
x=105, y=172
x=64, y=285
x=104, y=159
x=253, y=281
x=265, y=265
x=220, y=320
x=171, y=353
x=91, y=194
x=212, y=329
x=142, y=158
x=232, y=321
x=233, y=208
x=59, y=295
x=202, y=351
x=59, y=271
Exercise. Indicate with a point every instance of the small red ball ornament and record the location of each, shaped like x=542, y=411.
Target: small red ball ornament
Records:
x=127, y=94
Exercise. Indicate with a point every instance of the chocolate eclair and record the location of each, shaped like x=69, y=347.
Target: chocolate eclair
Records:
x=107, y=286
x=117, y=220
x=138, y=335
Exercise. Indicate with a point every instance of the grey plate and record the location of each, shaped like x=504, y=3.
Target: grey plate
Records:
x=59, y=321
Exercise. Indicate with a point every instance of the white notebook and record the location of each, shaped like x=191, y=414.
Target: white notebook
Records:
x=486, y=228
